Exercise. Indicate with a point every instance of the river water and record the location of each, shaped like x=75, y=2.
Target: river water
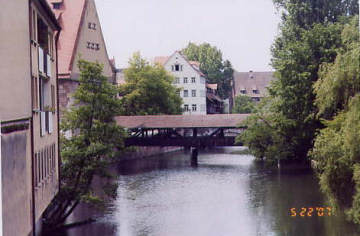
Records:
x=227, y=194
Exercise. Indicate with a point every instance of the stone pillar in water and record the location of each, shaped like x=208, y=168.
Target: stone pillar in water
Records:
x=194, y=156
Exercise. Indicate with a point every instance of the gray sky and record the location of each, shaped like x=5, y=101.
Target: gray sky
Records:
x=242, y=29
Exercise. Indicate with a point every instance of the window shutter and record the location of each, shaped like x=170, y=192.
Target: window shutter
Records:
x=53, y=97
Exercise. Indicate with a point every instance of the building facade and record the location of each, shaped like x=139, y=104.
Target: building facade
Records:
x=189, y=78
x=214, y=104
x=252, y=84
x=28, y=113
x=81, y=37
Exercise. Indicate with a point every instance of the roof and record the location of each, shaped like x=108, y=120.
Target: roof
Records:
x=212, y=86
x=194, y=64
x=50, y=13
x=182, y=121
x=213, y=98
x=251, y=80
x=161, y=60
x=69, y=17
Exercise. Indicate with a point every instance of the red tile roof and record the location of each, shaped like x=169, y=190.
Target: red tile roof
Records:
x=250, y=81
x=161, y=60
x=195, y=63
x=182, y=121
x=69, y=17
x=212, y=86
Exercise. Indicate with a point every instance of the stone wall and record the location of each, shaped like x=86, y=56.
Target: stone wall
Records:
x=66, y=88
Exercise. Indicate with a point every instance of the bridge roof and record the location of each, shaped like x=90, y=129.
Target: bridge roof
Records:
x=182, y=121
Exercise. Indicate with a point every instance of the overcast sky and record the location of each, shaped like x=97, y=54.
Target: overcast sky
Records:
x=242, y=29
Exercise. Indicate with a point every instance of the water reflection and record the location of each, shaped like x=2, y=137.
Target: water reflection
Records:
x=226, y=194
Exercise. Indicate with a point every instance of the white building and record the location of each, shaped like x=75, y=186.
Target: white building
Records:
x=189, y=78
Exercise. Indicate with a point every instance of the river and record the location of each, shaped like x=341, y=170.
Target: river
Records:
x=228, y=194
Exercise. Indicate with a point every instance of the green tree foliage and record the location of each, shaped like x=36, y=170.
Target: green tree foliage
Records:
x=309, y=37
x=148, y=90
x=263, y=136
x=304, y=13
x=96, y=142
x=340, y=79
x=212, y=65
x=336, y=148
x=243, y=105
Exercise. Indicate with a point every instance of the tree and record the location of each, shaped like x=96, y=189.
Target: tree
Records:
x=148, y=90
x=310, y=36
x=243, y=105
x=212, y=65
x=336, y=148
x=96, y=142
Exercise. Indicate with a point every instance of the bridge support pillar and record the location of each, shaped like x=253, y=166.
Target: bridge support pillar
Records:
x=194, y=156
x=187, y=149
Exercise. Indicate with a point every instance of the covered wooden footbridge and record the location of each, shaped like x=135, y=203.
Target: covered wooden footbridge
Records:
x=182, y=130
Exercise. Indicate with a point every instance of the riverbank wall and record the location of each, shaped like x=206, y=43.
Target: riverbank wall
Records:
x=143, y=152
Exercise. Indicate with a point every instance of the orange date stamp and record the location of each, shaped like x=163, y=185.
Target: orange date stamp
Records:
x=311, y=211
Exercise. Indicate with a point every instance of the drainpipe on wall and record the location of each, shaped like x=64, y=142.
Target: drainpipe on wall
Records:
x=32, y=152
x=1, y=218
x=57, y=104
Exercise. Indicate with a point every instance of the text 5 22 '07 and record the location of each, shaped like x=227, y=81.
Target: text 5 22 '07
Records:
x=311, y=211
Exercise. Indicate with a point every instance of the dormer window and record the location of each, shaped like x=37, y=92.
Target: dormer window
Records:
x=56, y=5
x=177, y=67
x=243, y=91
x=255, y=91
x=92, y=26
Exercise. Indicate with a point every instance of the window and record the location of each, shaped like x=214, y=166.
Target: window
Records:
x=178, y=92
x=186, y=93
x=181, y=67
x=56, y=5
x=255, y=99
x=42, y=35
x=92, y=26
x=193, y=107
x=255, y=91
x=44, y=164
x=94, y=46
x=193, y=80
x=193, y=93
x=177, y=80
x=186, y=107
x=185, y=80
x=172, y=68
x=177, y=67
x=243, y=91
